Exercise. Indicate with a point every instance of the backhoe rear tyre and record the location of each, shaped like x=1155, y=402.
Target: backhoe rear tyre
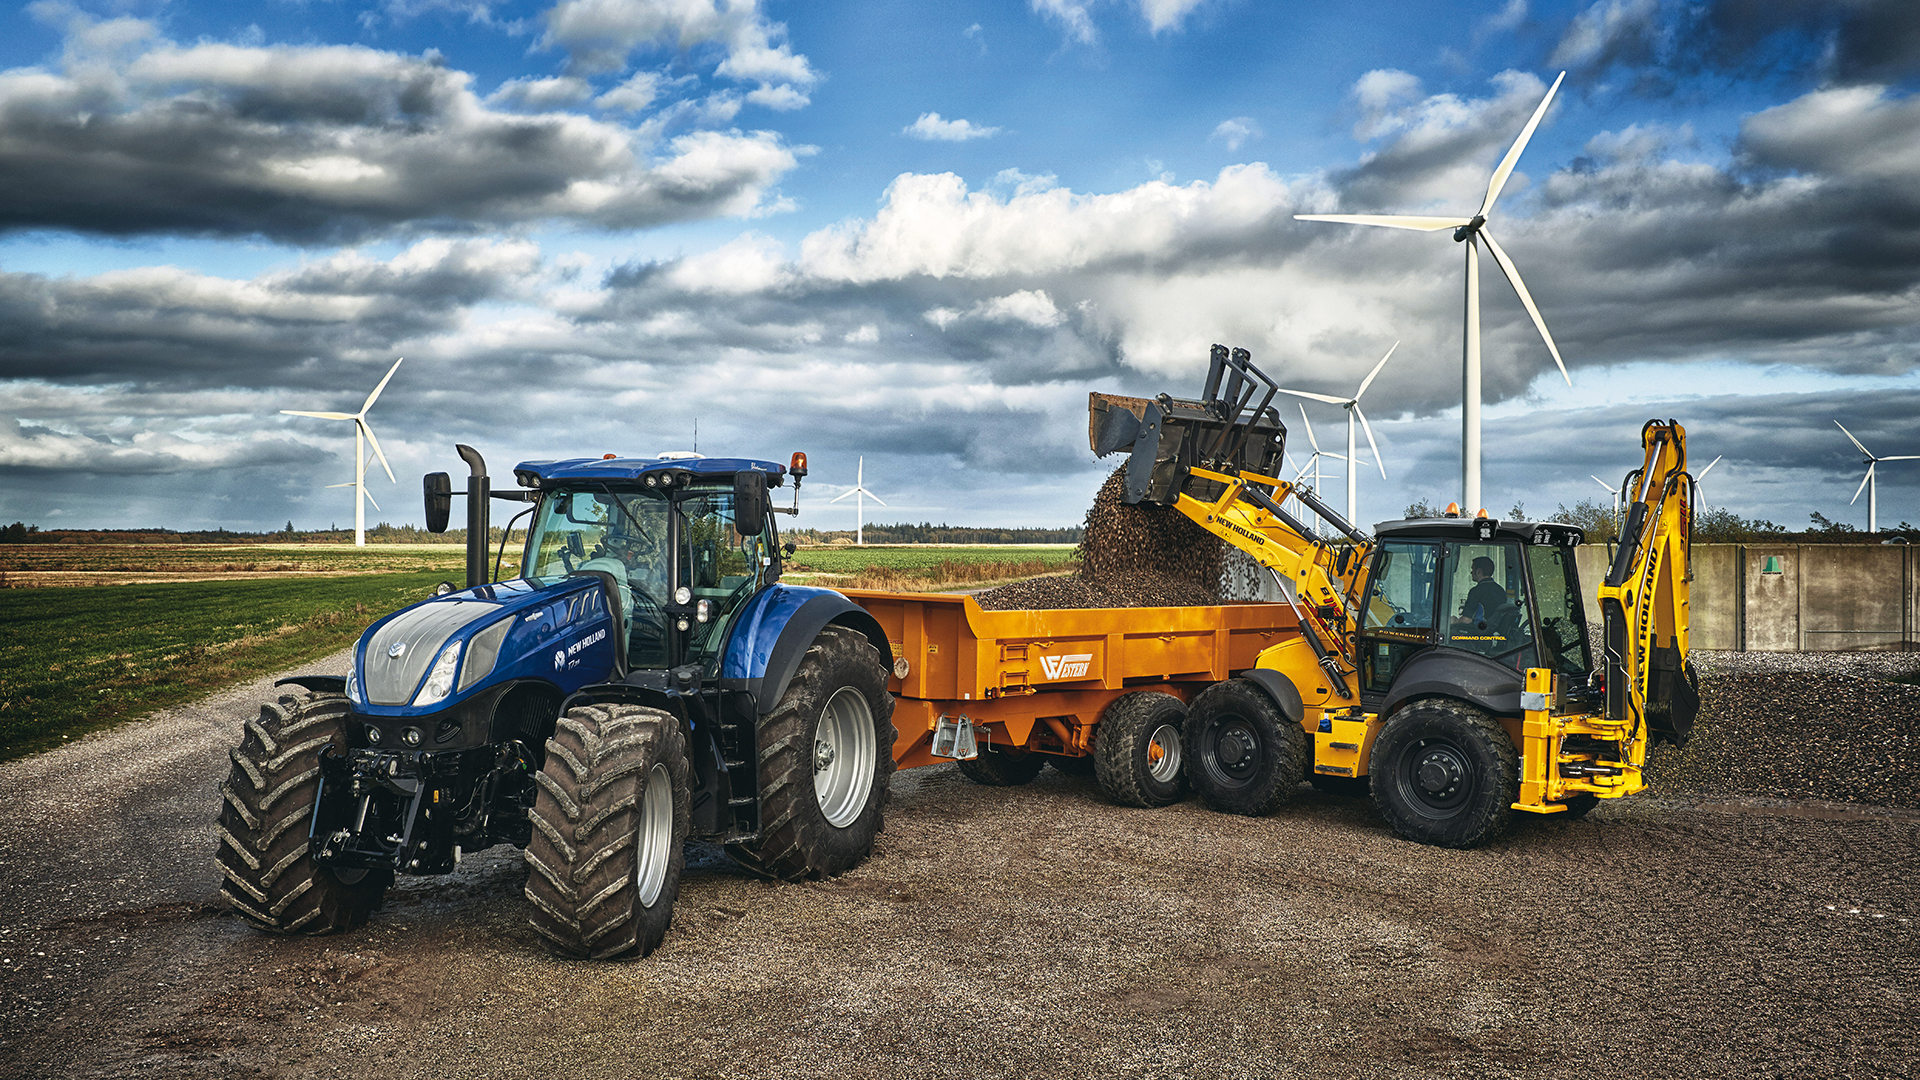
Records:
x=1244, y=756
x=1138, y=752
x=610, y=823
x=270, y=878
x=1445, y=773
x=826, y=763
x=1003, y=766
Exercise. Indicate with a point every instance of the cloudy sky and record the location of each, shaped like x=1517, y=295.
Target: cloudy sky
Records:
x=922, y=233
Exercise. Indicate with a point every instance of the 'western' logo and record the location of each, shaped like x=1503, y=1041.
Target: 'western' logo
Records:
x=1066, y=667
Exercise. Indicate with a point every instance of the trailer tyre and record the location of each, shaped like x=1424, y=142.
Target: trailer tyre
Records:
x=1445, y=773
x=1243, y=755
x=269, y=877
x=1003, y=766
x=826, y=763
x=610, y=825
x=1138, y=752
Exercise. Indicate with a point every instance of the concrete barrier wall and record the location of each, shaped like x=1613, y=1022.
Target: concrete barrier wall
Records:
x=1790, y=597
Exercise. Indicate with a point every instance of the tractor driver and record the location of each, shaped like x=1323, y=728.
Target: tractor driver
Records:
x=1486, y=596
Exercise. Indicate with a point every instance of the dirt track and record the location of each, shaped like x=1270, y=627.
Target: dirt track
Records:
x=997, y=933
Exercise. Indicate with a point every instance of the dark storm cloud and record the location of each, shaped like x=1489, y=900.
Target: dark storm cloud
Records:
x=1658, y=43
x=330, y=143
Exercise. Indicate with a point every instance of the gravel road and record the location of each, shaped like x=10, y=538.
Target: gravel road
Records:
x=1746, y=925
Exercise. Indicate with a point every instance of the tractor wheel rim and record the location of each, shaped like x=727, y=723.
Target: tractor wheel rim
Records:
x=1438, y=777
x=843, y=757
x=656, y=836
x=1232, y=752
x=1163, y=753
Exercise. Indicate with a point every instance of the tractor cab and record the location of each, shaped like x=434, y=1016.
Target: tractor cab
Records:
x=1507, y=592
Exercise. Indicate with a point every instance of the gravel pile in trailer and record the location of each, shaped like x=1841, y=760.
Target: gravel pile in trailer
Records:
x=1130, y=556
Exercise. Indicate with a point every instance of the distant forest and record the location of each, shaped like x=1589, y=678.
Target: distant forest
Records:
x=928, y=533
x=1713, y=525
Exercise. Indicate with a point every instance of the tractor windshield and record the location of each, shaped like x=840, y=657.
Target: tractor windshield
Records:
x=624, y=534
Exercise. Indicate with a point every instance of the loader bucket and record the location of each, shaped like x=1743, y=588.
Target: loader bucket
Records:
x=1165, y=437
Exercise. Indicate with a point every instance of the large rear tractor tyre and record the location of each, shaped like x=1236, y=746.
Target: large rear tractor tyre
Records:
x=1003, y=766
x=826, y=763
x=609, y=831
x=1243, y=755
x=267, y=805
x=1444, y=773
x=1137, y=752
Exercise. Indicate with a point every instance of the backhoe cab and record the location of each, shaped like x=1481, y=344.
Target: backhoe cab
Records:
x=1444, y=661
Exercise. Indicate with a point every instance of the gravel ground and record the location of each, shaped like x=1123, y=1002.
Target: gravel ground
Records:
x=1719, y=930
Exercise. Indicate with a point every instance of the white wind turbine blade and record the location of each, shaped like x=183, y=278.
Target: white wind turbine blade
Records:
x=1611, y=490
x=1368, y=428
x=1513, y=278
x=876, y=498
x=849, y=491
x=382, y=386
x=1308, y=424
x=1368, y=381
x=1708, y=469
x=377, y=452
x=1851, y=439
x=1390, y=221
x=1900, y=457
x=369, y=496
x=1507, y=163
x=1862, y=487
x=319, y=415
x=1316, y=397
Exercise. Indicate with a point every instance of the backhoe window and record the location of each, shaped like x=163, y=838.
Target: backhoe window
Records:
x=721, y=566
x=1486, y=602
x=1399, y=609
x=1563, y=624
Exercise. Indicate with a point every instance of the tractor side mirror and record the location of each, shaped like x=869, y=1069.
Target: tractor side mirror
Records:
x=439, y=490
x=750, y=502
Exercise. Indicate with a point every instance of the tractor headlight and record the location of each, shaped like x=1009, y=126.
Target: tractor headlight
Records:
x=353, y=689
x=440, y=679
x=683, y=596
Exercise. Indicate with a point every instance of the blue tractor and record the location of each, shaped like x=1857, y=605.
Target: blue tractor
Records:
x=643, y=679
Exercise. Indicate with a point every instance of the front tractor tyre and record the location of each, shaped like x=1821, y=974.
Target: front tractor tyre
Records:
x=1137, y=750
x=610, y=825
x=269, y=876
x=1445, y=773
x=825, y=763
x=1243, y=755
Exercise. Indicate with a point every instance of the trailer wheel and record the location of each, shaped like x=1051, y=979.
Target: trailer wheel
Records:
x=1003, y=766
x=826, y=761
x=610, y=825
x=1444, y=773
x=269, y=877
x=1243, y=755
x=1137, y=751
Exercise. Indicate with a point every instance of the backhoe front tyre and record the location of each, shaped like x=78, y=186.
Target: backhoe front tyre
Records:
x=1137, y=751
x=826, y=763
x=1445, y=773
x=1003, y=766
x=1244, y=756
x=610, y=822
x=268, y=875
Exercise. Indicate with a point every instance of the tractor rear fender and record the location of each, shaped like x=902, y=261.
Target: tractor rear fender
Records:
x=772, y=636
x=1454, y=673
x=1280, y=689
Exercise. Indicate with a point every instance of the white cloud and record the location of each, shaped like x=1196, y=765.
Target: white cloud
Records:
x=1236, y=132
x=633, y=95
x=782, y=98
x=599, y=35
x=752, y=263
x=553, y=93
x=932, y=128
x=865, y=334
x=1166, y=14
x=1073, y=17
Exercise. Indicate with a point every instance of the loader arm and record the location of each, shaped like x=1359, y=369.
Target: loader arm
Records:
x=1650, y=683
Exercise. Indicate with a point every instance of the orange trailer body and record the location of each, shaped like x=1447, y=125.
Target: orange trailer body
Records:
x=1040, y=679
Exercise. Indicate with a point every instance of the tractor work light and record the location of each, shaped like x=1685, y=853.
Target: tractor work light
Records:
x=683, y=596
x=411, y=736
x=652, y=480
x=703, y=611
x=373, y=735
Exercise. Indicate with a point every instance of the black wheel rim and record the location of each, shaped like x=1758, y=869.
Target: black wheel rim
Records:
x=1231, y=752
x=1437, y=777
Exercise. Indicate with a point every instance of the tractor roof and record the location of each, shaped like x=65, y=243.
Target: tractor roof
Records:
x=632, y=469
x=1552, y=533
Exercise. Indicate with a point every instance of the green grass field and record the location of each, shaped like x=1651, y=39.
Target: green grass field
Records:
x=76, y=659
x=920, y=568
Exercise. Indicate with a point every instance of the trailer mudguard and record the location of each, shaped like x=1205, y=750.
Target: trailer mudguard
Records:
x=1280, y=689
x=771, y=636
x=1458, y=674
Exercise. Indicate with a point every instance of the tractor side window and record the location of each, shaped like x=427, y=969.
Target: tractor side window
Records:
x=1398, y=620
x=1487, y=603
x=721, y=566
x=1563, y=624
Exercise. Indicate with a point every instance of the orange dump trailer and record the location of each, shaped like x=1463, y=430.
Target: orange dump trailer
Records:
x=1040, y=681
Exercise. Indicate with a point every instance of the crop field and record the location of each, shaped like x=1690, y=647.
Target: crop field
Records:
x=927, y=568
x=49, y=565
x=86, y=657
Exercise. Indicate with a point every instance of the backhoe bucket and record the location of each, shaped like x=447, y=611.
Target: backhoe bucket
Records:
x=1165, y=437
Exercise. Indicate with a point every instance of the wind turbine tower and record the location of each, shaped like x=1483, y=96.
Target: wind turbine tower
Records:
x=861, y=495
x=1867, y=482
x=1352, y=405
x=362, y=437
x=1473, y=232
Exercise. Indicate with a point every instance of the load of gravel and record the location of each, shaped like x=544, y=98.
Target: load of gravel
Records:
x=1130, y=556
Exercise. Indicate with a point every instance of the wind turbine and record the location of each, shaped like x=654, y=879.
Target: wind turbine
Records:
x=1614, y=492
x=1313, y=462
x=1867, y=483
x=1703, y=472
x=860, y=503
x=1473, y=231
x=1352, y=405
x=362, y=437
